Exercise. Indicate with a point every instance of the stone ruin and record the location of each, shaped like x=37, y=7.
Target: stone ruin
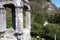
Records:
x=17, y=32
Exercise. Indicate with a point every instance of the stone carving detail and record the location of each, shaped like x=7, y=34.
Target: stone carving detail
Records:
x=20, y=33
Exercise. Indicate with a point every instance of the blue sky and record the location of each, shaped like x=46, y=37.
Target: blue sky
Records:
x=56, y=2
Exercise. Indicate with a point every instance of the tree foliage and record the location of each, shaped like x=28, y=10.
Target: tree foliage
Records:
x=54, y=18
x=48, y=31
x=37, y=22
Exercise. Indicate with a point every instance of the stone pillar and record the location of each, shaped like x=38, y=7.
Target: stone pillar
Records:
x=28, y=25
x=19, y=18
x=2, y=19
x=19, y=21
x=26, y=32
x=19, y=15
x=28, y=20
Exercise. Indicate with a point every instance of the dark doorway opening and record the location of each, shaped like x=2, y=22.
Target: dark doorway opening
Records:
x=10, y=15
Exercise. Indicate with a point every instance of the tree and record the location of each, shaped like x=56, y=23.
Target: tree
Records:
x=51, y=30
x=54, y=18
x=37, y=23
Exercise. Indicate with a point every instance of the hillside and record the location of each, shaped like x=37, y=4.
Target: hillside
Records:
x=44, y=6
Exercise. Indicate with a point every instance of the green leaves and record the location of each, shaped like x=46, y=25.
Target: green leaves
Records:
x=54, y=18
x=8, y=17
x=37, y=23
x=48, y=31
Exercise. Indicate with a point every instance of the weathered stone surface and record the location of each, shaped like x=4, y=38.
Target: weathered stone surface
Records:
x=9, y=35
x=26, y=34
x=19, y=20
x=8, y=39
x=2, y=20
x=22, y=33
